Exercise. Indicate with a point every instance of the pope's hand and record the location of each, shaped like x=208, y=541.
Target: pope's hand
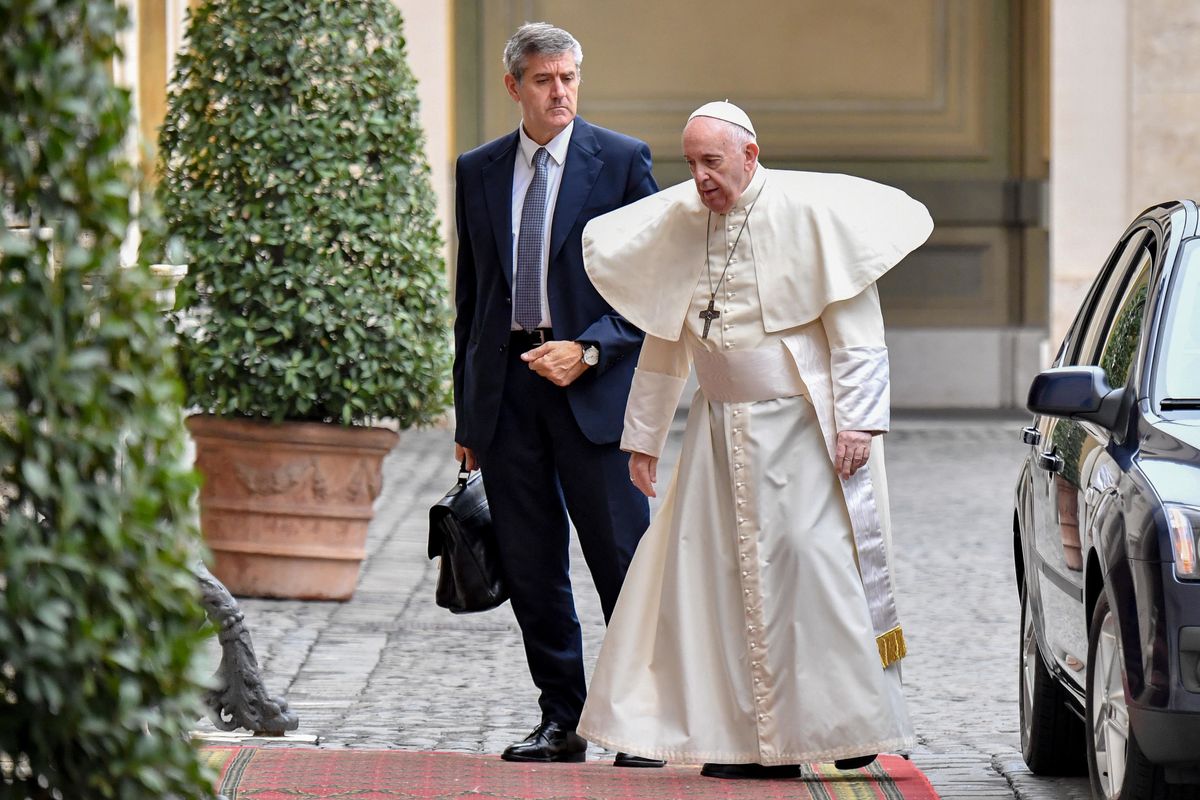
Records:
x=558, y=362
x=853, y=450
x=643, y=471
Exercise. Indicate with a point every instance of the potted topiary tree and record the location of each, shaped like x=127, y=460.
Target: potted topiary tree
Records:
x=99, y=612
x=293, y=171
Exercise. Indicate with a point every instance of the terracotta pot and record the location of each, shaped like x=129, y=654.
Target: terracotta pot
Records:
x=285, y=507
x=1068, y=522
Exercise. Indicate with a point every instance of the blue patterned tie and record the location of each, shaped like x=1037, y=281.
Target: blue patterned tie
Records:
x=529, y=247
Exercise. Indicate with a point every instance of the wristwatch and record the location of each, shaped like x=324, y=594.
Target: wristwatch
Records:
x=591, y=354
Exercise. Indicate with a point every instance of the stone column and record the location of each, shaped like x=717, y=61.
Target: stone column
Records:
x=1089, y=146
x=1125, y=123
x=1164, y=120
x=429, y=34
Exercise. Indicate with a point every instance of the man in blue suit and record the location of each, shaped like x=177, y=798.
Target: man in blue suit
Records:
x=543, y=365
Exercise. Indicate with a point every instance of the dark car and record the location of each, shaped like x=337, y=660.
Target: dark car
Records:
x=1106, y=525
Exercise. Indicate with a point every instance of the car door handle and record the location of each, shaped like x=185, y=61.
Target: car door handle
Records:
x=1031, y=436
x=1051, y=462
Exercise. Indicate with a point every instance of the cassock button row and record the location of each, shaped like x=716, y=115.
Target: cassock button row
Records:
x=762, y=717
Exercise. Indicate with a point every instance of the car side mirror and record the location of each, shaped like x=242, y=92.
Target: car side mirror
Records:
x=1080, y=393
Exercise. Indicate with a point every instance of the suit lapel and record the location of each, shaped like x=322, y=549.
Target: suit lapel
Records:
x=579, y=176
x=497, y=182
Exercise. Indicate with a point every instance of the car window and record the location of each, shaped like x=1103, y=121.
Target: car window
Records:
x=1090, y=323
x=1136, y=257
x=1179, y=365
x=1126, y=328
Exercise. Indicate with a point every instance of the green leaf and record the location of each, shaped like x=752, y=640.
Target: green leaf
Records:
x=306, y=210
x=93, y=552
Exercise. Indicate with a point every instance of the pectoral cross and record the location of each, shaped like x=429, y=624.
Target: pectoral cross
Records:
x=708, y=315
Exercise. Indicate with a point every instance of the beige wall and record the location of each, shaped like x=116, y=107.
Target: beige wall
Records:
x=1125, y=128
x=1090, y=145
x=429, y=34
x=911, y=86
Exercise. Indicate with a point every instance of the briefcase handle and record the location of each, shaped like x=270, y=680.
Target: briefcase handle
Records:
x=463, y=472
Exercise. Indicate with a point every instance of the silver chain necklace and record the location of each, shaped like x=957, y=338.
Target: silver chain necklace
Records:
x=710, y=313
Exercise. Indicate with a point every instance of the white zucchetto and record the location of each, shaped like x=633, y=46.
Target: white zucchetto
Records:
x=727, y=111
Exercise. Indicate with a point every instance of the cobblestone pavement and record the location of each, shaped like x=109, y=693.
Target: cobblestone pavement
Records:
x=390, y=669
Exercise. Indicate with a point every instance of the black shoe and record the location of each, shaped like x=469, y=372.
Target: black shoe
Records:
x=548, y=742
x=750, y=771
x=626, y=760
x=857, y=762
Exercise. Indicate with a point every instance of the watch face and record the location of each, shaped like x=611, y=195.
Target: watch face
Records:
x=591, y=356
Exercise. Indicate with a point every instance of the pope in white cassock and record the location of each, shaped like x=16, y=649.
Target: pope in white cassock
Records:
x=757, y=627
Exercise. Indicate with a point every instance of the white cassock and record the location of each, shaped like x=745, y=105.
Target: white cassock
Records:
x=757, y=622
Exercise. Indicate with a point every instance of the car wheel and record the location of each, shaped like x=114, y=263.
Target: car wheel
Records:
x=1052, y=736
x=1116, y=764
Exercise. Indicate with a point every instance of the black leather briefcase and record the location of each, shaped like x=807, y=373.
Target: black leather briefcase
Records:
x=461, y=534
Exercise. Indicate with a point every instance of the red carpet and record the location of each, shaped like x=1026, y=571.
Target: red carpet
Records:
x=294, y=773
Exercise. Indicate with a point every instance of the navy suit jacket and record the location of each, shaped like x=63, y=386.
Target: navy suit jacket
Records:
x=604, y=170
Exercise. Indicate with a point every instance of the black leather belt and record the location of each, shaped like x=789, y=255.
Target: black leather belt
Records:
x=527, y=340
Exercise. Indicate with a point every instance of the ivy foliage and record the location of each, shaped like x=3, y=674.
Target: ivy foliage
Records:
x=1123, y=340
x=99, y=613
x=293, y=171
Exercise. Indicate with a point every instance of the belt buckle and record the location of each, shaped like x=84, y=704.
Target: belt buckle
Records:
x=539, y=336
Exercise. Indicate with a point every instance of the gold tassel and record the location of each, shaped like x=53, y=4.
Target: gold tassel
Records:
x=891, y=646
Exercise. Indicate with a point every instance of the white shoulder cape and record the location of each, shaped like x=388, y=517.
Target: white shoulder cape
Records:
x=818, y=238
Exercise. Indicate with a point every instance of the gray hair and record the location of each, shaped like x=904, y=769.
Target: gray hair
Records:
x=737, y=136
x=538, y=38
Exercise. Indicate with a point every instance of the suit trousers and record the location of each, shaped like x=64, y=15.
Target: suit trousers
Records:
x=538, y=471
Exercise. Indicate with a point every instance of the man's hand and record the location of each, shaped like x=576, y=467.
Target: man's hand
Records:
x=465, y=454
x=558, y=362
x=853, y=450
x=643, y=471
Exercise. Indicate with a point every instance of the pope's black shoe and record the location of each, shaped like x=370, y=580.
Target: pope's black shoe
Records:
x=750, y=771
x=548, y=742
x=626, y=760
x=857, y=762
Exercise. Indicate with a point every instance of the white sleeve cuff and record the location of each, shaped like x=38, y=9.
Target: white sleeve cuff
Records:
x=861, y=388
x=648, y=414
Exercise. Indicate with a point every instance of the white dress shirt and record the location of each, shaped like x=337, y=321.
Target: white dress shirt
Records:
x=522, y=177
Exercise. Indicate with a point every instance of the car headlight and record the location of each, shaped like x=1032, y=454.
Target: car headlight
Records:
x=1184, y=523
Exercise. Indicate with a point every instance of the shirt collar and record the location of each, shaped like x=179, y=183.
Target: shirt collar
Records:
x=752, y=189
x=557, y=147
